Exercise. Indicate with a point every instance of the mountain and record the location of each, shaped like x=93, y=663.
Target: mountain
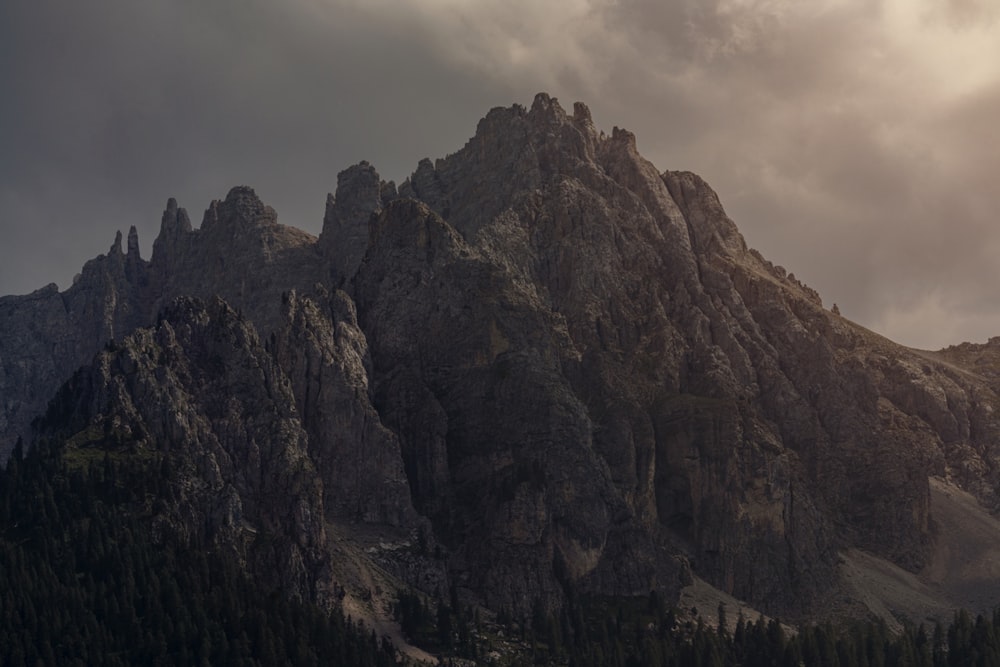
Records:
x=537, y=369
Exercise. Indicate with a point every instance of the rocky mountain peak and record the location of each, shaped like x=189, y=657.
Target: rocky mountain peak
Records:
x=582, y=117
x=174, y=225
x=240, y=253
x=133, y=242
x=564, y=364
x=624, y=138
x=515, y=152
x=241, y=208
x=545, y=108
x=360, y=193
x=200, y=390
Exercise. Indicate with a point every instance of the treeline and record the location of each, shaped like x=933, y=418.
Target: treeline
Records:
x=602, y=632
x=446, y=629
x=83, y=582
x=653, y=637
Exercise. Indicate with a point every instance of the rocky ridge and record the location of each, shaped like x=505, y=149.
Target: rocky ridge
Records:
x=198, y=389
x=564, y=369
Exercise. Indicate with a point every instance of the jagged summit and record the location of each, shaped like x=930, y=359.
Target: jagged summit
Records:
x=133, y=242
x=360, y=193
x=174, y=226
x=241, y=208
x=240, y=215
x=561, y=367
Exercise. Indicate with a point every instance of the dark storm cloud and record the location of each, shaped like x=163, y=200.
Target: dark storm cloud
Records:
x=113, y=106
x=852, y=141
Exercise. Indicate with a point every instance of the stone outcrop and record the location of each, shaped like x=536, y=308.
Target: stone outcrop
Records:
x=563, y=365
x=45, y=335
x=344, y=239
x=325, y=356
x=240, y=253
x=199, y=390
x=731, y=409
x=499, y=449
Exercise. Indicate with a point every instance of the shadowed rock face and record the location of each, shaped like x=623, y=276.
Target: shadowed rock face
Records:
x=569, y=363
x=46, y=335
x=240, y=253
x=360, y=193
x=325, y=357
x=269, y=445
x=499, y=449
x=199, y=389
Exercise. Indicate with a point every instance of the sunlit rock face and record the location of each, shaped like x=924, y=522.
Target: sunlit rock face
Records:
x=561, y=367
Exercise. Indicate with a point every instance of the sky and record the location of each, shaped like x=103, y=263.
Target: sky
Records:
x=854, y=142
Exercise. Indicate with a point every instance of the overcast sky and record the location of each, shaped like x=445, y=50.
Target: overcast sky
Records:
x=854, y=142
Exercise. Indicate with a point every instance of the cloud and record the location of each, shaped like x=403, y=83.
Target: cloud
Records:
x=932, y=316
x=852, y=141
x=851, y=146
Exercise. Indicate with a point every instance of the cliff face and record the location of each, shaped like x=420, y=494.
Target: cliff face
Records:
x=469, y=367
x=199, y=390
x=256, y=469
x=46, y=335
x=239, y=253
x=569, y=364
x=730, y=409
x=325, y=358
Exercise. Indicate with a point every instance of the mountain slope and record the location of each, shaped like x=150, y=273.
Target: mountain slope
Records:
x=563, y=370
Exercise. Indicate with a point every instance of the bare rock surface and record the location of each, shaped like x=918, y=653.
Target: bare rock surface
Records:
x=469, y=366
x=46, y=335
x=240, y=253
x=560, y=367
x=764, y=432
x=325, y=357
x=360, y=194
x=199, y=390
